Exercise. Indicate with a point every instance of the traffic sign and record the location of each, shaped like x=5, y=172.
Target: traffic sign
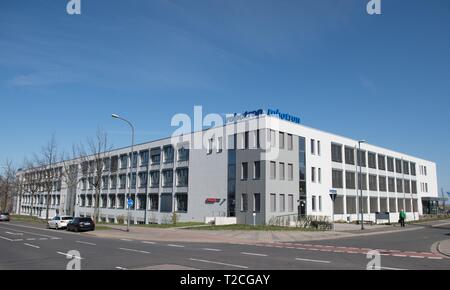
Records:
x=333, y=194
x=130, y=202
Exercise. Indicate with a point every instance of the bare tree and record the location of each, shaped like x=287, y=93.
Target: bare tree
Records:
x=8, y=185
x=47, y=162
x=70, y=176
x=95, y=164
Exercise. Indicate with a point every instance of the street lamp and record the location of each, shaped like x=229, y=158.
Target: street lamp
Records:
x=361, y=209
x=115, y=116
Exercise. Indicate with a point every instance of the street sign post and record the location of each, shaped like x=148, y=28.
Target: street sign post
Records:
x=130, y=202
x=333, y=195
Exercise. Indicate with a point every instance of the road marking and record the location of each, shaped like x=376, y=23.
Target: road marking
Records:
x=42, y=239
x=126, y=240
x=86, y=243
x=120, y=268
x=133, y=250
x=315, y=261
x=150, y=243
x=6, y=239
x=420, y=257
x=175, y=246
x=30, y=245
x=211, y=250
x=435, y=258
x=219, y=263
x=31, y=239
x=25, y=232
x=387, y=268
x=253, y=254
x=70, y=256
x=14, y=234
x=397, y=255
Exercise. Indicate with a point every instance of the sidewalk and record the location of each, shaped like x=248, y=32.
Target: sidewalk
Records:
x=444, y=247
x=230, y=236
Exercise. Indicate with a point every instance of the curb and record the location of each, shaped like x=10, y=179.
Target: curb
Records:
x=435, y=248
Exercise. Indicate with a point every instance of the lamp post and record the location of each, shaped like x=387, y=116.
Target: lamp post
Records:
x=115, y=116
x=361, y=208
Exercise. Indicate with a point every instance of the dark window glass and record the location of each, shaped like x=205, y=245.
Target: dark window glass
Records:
x=398, y=166
x=391, y=184
x=362, y=158
x=381, y=162
x=349, y=155
x=399, y=185
x=336, y=153
x=382, y=183
x=406, y=167
x=413, y=169
x=337, y=179
x=372, y=160
x=373, y=182
x=390, y=164
x=362, y=183
x=350, y=180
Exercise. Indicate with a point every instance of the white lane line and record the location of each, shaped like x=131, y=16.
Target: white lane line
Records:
x=31, y=239
x=397, y=255
x=14, y=234
x=133, y=250
x=120, y=268
x=86, y=243
x=419, y=257
x=211, y=250
x=126, y=240
x=387, y=268
x=42, y=239
x=435, y=258
x=253, y=254
x=25, y=232
x=70, y=256
x=147, y=242
x=6, y=239
x=175, y=246
x=219, y=263
x=33, y=246
x=314, y=261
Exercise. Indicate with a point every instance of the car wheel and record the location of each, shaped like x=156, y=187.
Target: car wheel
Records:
x=76, y=229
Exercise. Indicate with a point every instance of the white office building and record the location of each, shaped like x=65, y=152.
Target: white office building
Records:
x=257, y=167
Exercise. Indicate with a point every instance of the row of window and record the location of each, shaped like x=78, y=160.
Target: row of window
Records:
x=313, y=147
x=373, y=159
x=374, y=204
x=376, y=183
x=122, y=181
x=281, y=206
x=155, y=202
x=42, y=199
x=281, y=171
x=256, y=170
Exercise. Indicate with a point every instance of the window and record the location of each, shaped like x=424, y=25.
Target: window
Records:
x=244, y=171
x=313, y=174
x=257, y=140
x=390, y=164
x=113, y=181
x=155, y=157
x=257, y=170
x=123, y=181
x=290, y=171
x=183, y=154
x=133, y=180
x=272, y=138
x=166, y=202
x=282, y=202
x=413, y=186
x=398, y=165
x=141, y=202
x=318, y=148
x=337, y=179
x=257, y=202
x=281, y=171
x=210, y=146
x=320, y=203
x=313, y=146
x=313, y=203
x=273, y=202
x=182, y=202
x=381, y=162
x=362, y=181
x=361, y=158
x=382, y=183
x=372, y=160
x=167, y=178
x=407, y=185
x=182, y=177
x=143, y=177
x=350, y=180
x=413, y=168
x=106, y=164
x=123, y=161
x=154, y=178
x=135, y=159
x=144, y=158
x=290, y=202
x=105, y=182
x=114, y=163
x=391, y=184
x=219, y=144
x=349, y=155
x=336, y=153
x=373, y=182
x=154, y=200
x=244, y=202
x=406, y=167
x=290, y=142
x=273, y=169
x=399, y=185
x=168, y=154
x=281, y=140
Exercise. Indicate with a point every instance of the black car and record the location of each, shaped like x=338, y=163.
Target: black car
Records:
x=79, y=224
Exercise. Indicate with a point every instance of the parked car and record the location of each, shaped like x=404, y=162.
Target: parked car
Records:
x=59, y=222
x=79, y=224
x=4, y=217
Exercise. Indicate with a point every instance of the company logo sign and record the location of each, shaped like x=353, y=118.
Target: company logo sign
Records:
x=270, y=112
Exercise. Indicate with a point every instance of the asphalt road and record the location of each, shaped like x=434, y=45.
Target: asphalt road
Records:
x=30, y=246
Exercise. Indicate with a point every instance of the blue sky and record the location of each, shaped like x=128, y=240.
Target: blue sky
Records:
x=382, y=78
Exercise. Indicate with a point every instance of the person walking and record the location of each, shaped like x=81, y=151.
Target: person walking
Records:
x=402, y=218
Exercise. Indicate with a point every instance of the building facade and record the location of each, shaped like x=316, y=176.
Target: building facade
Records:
x=256, y=169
